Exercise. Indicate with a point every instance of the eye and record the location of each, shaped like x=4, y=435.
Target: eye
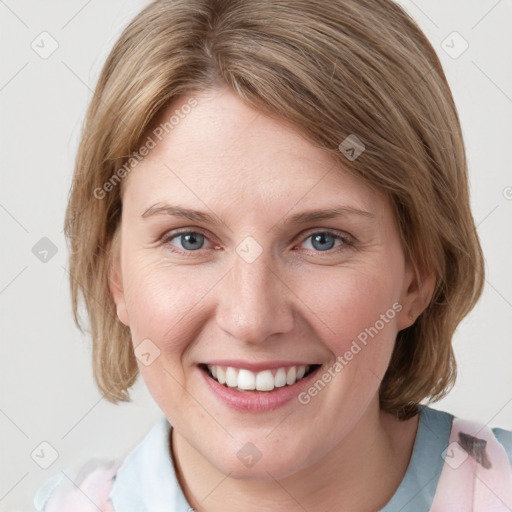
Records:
x=186, y=241
x=323, y=241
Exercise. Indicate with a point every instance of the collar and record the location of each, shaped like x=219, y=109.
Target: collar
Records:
x=146, y=479
x=418, y=486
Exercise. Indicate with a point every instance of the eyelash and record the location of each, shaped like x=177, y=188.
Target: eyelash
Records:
x=346, y=239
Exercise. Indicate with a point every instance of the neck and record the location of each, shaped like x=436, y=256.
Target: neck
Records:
x=360, y=474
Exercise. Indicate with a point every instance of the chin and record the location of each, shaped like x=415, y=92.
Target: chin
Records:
x=251, y=464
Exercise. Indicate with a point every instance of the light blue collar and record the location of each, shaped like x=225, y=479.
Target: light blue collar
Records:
x=146, y=480
x=418, y=486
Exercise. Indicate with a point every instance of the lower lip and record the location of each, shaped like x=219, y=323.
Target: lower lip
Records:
x=257, y=401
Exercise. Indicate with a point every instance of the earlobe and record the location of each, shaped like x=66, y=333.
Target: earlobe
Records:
x=418, y=291
x=115, y=282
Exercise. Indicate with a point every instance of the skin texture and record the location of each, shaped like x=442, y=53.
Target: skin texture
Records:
x=295, y=302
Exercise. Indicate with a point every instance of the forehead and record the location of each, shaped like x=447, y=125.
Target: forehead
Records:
x=214, y=147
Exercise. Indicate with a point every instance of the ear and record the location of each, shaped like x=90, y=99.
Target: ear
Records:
x=416, y=295
x=115, y=278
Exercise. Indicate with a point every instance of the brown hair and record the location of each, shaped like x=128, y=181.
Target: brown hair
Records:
x=331, y=69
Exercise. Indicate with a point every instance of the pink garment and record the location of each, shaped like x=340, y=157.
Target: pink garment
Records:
x=476, y=474
x=476, y=477
x=86, y=491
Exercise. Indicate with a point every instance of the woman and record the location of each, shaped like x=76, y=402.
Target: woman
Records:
x=270, y=221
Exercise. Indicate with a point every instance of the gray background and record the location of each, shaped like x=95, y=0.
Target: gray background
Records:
x=47, y=390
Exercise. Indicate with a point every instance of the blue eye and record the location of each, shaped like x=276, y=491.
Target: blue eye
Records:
x=190, y=240
x=323, y=241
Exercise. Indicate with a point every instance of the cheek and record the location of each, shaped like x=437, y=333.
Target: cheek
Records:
x=163, y=307
x=164, y=302
x=357, y=306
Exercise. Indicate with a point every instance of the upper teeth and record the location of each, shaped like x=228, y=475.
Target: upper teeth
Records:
x=265, y=380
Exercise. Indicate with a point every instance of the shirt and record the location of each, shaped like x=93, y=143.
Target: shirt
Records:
x=146, y=481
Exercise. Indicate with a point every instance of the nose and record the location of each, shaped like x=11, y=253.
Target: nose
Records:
x=255, y=301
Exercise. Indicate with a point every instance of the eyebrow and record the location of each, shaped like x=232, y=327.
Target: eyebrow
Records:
x=299, y=218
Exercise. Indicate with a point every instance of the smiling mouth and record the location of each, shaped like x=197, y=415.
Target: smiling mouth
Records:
x=241, y=379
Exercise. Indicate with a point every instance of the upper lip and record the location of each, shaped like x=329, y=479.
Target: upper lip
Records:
x=256, y=366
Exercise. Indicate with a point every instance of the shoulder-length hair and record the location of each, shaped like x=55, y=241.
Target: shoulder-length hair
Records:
x=331, y=69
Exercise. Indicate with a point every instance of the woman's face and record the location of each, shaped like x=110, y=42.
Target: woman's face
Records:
x=246, y=252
